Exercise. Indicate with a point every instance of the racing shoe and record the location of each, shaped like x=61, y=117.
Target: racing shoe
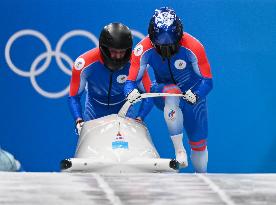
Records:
x=181, y=157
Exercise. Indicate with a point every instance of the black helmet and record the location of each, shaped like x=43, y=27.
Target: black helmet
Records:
x=118, y=36
x=165, y=31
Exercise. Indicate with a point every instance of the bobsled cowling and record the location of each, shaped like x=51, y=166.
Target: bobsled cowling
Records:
x=117, y=144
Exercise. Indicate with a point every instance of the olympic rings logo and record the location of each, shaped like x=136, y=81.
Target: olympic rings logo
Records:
x=35, y=71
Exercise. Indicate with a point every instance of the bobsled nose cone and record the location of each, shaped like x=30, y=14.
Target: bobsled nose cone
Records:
x=174, y=164
x=65, y=164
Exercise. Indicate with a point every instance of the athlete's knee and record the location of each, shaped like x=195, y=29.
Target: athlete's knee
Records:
x=171, y=88
x=200, y=145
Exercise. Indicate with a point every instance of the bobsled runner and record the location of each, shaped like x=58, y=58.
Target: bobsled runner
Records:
x=118, y=144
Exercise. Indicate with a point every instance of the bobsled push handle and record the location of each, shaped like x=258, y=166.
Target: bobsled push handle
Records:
x=126, y=106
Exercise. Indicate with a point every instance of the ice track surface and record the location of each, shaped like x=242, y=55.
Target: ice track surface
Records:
x=101, y=189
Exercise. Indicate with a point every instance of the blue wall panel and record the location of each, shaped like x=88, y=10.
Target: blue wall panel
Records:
x=239, y=38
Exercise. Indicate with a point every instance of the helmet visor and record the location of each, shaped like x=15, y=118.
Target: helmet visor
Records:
x=117, y=54
x=165, y=38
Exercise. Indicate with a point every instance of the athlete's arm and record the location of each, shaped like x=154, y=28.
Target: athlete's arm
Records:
x=201, y=66
x=139, y=62
x=147, y=103
x=77, y=86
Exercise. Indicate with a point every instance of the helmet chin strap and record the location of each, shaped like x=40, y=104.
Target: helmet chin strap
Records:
x=166, y=51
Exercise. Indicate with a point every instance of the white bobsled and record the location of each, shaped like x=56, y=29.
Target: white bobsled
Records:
x=117, y=144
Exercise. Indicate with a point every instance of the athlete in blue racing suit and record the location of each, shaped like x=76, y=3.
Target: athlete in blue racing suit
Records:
x=103, y=72
x=180, y=66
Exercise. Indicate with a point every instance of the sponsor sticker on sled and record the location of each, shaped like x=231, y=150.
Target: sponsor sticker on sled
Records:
x=119, y=142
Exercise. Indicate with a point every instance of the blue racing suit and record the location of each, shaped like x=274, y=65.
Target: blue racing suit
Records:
x=105, y=88
x=187, y=69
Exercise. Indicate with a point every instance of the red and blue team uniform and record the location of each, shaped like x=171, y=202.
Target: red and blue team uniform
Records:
x=105, y=88
x=187, y=69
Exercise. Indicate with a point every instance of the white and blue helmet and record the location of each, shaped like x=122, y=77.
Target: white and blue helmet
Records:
x=165, y=31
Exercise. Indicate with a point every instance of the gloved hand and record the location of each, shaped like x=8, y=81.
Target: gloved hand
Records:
x=134, y=96
x=190, y=97
x=79, y=124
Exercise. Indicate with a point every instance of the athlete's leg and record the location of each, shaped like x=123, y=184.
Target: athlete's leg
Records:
x=196, y=125
x=174, y=119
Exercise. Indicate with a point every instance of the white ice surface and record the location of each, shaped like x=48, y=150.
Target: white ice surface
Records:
x=169, y=189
